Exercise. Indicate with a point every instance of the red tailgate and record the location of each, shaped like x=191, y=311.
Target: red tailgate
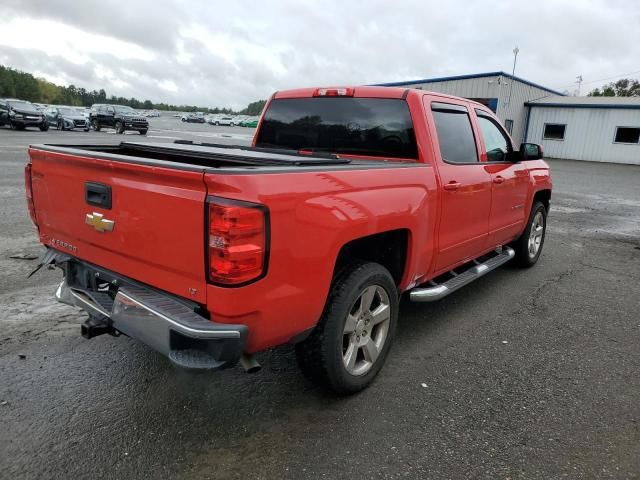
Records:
x=158, y=214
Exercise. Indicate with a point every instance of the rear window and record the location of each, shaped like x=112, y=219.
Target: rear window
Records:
x=359, y=126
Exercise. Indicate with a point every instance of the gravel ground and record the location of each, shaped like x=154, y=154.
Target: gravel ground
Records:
x=524, y=374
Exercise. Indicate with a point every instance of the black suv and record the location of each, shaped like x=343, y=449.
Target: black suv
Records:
x=119, y=117
x=20, y=114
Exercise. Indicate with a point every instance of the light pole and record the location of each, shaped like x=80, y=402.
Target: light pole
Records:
x=513, y=72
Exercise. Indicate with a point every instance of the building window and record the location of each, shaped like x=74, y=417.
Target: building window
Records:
x=553, y=131
x=508, y=124
x=627, y=135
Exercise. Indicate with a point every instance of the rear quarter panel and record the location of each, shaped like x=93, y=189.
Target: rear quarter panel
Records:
x=313, y=214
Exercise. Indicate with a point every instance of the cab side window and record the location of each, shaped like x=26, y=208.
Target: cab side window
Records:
x=455, y=135
x=497, y=144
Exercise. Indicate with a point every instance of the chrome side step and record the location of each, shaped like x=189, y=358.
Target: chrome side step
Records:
x=438, y=291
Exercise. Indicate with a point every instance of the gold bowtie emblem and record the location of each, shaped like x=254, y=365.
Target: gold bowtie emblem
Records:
x=97, y=221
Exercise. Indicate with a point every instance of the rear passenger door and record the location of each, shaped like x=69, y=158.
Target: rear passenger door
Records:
x=510, y=181
x=465, y=185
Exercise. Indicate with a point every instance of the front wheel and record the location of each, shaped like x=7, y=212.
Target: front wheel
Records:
x=60, y=125
x=143, y=132
x=119, y=126
x=351, y=341
x=44, y=127
x=528, y=246
x=95, y=125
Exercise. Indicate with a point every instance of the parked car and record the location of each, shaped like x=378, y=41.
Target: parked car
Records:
x=66, y=118
x=197, y=117
x=252, y=123
x=348, y=198
x=119, y=117
x=228, y=121
x=20, y=114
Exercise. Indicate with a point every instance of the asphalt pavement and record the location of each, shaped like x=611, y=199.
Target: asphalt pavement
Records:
x=523, y=374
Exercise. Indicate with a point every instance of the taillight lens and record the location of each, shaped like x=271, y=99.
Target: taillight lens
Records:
x=237, y=241
x=29, y=193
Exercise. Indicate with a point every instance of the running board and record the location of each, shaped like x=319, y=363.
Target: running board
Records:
x=438, y=291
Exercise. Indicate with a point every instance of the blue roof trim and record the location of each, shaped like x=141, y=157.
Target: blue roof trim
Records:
x=612, y=106
x=466, y=77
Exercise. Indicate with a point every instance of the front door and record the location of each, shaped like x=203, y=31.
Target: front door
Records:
x=465, y=188
x=510, y=182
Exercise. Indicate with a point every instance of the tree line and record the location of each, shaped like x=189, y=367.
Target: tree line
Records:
x=23, y=85
x=625, y=87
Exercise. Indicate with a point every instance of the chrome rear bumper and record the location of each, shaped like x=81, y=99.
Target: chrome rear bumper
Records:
x=160, y=321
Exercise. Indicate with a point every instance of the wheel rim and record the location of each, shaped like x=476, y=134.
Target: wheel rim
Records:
x=60, y=125
x=536, y=234
x=365, y=330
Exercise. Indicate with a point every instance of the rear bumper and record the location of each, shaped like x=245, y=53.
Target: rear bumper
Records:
x=160, y=320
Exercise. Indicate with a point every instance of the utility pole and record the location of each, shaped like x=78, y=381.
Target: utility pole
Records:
x=513, y=72
x=579, y=80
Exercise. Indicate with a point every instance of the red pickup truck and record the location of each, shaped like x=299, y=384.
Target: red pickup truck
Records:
x=347, y=198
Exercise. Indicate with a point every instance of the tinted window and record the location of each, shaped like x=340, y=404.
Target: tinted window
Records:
x=553, y=131
x=366, y=126
x=495, y=142
x=457, y=144
x=627, y=135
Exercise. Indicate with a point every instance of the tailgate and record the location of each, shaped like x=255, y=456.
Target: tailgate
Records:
x=157, y=213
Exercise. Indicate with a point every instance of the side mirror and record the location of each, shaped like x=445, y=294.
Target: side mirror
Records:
x=530, y=151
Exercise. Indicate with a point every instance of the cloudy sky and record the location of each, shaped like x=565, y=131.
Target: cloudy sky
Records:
x=229, y=53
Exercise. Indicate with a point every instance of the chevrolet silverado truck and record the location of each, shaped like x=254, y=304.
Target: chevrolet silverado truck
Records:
x=346, y=199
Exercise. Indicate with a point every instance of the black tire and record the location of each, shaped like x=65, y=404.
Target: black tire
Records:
x=524, y=257
x=10, y=125
x=119, y=126
x=60, y=125
x=44, y=127
x=95, y=125
x=320, y=356
x=217, y=123
x=143, y=132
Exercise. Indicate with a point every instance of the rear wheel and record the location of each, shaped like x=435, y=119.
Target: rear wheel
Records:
x=351, y=341
x=529, y=246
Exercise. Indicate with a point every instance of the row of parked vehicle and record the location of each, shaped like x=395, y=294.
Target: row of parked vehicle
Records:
x=20, y=114
x=229, y=121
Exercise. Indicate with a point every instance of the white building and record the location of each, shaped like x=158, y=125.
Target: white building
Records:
x=599, y=129
x=506, y=95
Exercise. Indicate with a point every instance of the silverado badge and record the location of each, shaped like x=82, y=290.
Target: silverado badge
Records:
x=97, y=221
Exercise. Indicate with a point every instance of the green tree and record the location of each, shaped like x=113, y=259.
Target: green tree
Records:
x=625, y=87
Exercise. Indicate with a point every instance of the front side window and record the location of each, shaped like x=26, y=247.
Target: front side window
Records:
x=455, y=136
x=380, y=127
x=627, y=135
x=495, y=142
x=553, y=131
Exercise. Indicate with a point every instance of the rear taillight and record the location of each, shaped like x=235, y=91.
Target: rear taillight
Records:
x=29, y=193
x=237, y=241
x=333, y=92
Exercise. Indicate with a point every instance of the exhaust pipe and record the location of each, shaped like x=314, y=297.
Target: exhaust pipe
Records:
x=249, y=363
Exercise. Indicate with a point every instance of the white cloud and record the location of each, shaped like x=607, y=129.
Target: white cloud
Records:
x=228, y=54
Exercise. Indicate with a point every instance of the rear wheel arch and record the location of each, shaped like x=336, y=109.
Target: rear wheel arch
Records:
x=389, y=249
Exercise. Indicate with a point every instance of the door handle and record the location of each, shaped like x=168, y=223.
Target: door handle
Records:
x=452, y=186
x=498, y=179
